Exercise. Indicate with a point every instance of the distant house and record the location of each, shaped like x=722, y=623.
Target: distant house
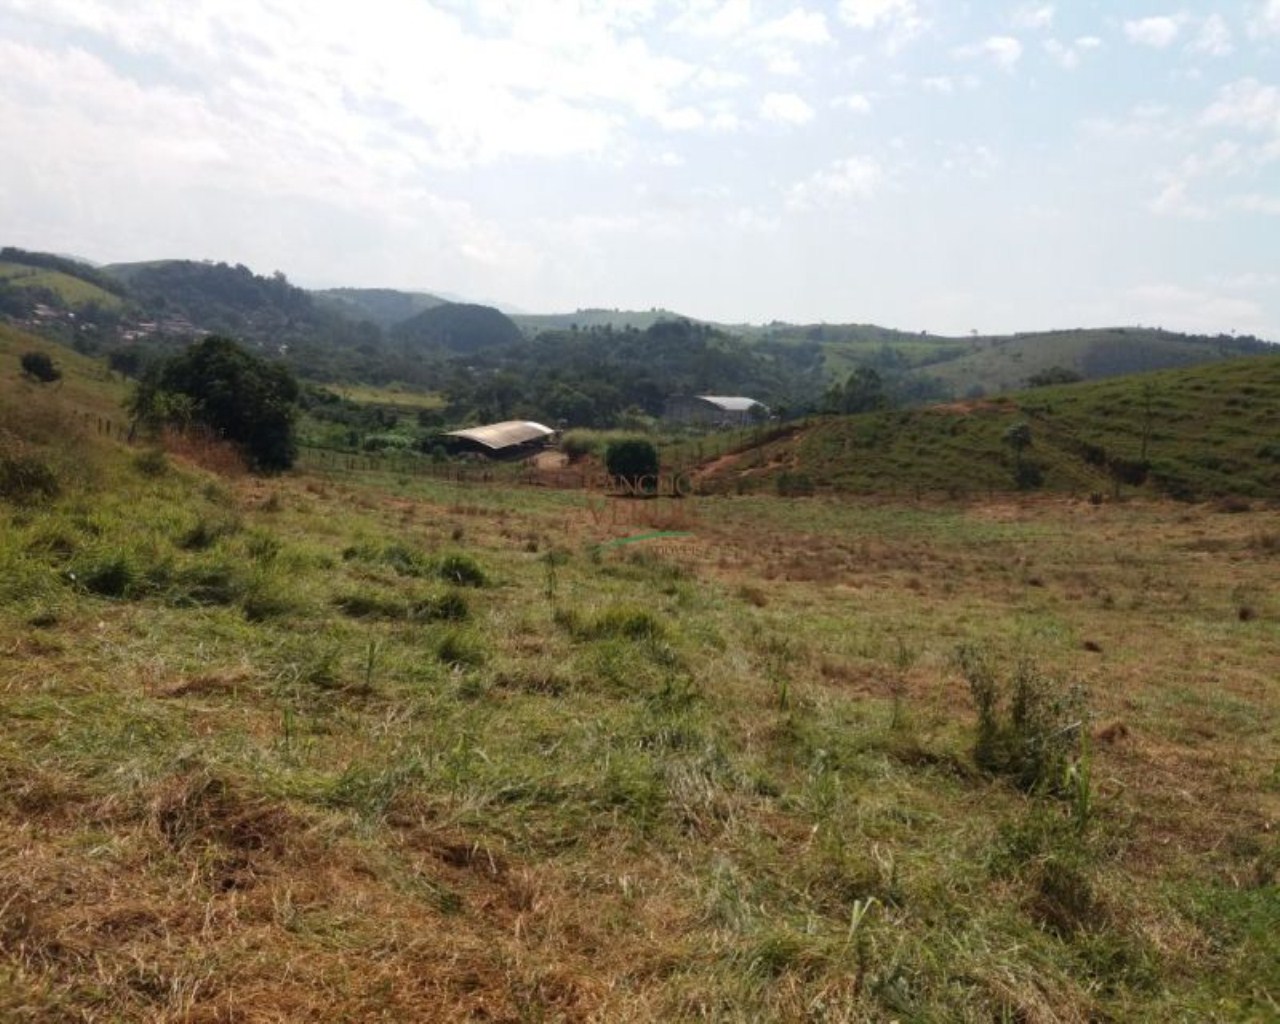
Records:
x=714, y=410
x=506, y=440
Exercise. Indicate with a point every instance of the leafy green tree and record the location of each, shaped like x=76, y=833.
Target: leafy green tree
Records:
x=863, y=391
x=38, y=366
x=249, y=401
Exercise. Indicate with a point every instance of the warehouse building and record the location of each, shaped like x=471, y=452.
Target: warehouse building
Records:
x=714, y=410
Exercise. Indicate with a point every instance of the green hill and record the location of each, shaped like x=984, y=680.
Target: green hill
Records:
x=1194, y=433
x=27, y=278
x=937, y=366
x=458, y=327
x=382, y=306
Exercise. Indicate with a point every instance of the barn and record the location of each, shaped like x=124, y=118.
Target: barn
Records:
x=510, y=439
x=714, y=410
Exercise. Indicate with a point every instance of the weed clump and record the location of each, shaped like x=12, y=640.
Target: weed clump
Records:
x=460, y=649
x=151, y=463
x=626, y=622
x=462, y=570
x=1029, y=728
x=25, y=478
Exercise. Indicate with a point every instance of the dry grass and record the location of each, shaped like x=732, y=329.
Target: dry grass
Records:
x=730, y=780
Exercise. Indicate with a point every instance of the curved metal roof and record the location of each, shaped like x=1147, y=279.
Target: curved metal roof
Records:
x=504, y=435
x=731, y=404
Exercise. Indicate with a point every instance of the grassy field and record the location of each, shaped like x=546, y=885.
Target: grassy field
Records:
x=1200, y=433
x=395, y=398
x=72, y=291
x=382, y=748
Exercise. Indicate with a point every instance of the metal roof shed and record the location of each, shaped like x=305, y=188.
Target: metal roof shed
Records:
x=506, y=437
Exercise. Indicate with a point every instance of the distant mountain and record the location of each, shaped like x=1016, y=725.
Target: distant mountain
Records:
x=382, y=306
x=381, y=335
x=937, y=366
x=217, y=296
x=457, y=327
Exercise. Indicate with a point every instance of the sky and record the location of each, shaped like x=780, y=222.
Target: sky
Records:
x=932, y=165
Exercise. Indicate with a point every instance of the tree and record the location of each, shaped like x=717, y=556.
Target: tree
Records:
x=245, y=399
x=38, y=366
x=1027, y=474
x=862, y=392
x=633, y=460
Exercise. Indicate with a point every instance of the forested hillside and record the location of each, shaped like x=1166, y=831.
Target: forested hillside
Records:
x=595, y=367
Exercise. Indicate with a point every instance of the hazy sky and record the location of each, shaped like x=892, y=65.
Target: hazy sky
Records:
x=921, y=164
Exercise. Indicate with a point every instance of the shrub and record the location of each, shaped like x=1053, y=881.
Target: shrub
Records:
x=794, y=485
x=577, y=446
x=151, y=463
x=632, y=460
x=38, y=366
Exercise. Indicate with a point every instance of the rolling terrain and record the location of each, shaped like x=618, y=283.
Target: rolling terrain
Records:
x=386, y=336
x=1196, y=433
x=337, y=745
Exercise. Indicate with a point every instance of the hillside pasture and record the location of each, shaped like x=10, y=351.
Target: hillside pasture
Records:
x=378, y=747
x=71, y=291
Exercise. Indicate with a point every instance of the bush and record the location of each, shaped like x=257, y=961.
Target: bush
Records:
x=632, y=460
x=38, y=366
x=794, y=485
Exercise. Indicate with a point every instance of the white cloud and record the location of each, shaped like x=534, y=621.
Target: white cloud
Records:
x=1033, y=17
x=546, y=83
x=1266, y=20
x=1005, y=51
x=1157, y=32
x=1173, y=200
x=1214, y=38
x=901, y=19
x=807, y=28
x=1191, y=309
x=851, y=179
x=1247, y=104
x=785, y=108
x=683, y=119
x=972, y=159
x=717, y=20
x=1250, y=280
x=946, y=85
x=1066, y=57
x=1258, y=203
x=856, y=102
x=1223, y=160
